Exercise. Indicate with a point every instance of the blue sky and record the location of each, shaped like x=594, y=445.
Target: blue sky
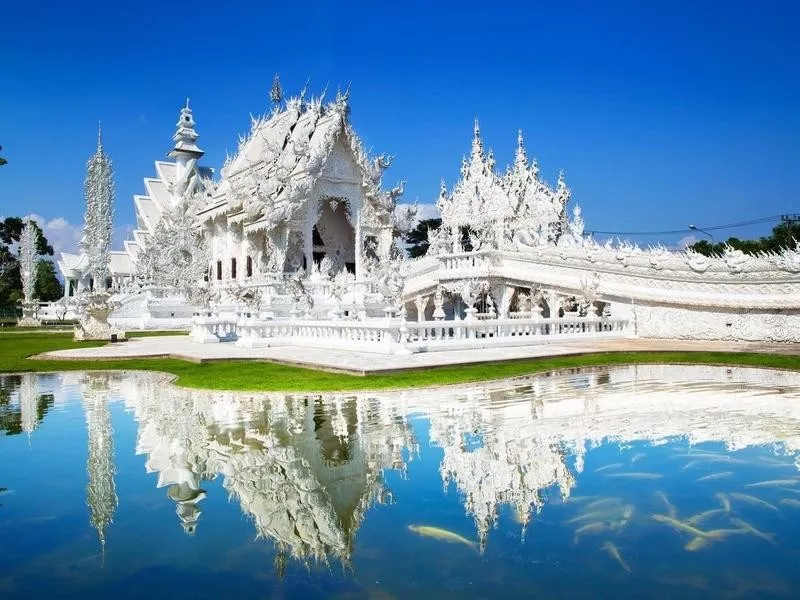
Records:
x=661, y=113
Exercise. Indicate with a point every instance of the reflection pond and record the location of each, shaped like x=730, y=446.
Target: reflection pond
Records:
x=641, y=481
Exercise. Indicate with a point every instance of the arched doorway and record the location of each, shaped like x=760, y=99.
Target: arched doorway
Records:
x=333, y=235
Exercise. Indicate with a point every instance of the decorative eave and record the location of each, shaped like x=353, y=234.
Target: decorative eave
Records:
x=212, y=212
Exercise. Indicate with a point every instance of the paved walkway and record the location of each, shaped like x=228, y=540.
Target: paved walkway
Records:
x=362, y=363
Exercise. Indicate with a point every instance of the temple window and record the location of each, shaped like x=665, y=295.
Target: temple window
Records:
x=219, y=270
x=233, y=268
x=249, y=266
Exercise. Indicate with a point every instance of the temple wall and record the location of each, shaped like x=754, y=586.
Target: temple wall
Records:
x=689, y=323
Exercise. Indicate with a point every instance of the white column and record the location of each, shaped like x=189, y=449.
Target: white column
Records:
x=359, y=245
x=308, y=237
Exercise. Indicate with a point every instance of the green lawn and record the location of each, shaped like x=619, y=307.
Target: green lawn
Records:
x=266, y=376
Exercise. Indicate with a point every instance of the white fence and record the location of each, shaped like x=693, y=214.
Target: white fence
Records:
x=396, y=336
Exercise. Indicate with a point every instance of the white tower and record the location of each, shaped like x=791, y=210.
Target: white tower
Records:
x=185, y=152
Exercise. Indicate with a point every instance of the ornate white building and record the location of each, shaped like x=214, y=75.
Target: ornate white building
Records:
x=295, y=244
x=507, y=250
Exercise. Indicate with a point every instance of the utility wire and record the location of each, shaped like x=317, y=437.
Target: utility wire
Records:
x=685, y=230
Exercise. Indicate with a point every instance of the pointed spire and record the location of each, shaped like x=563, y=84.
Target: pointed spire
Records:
x=185, y=136
x=99, y=137
x=477, y=145
x=276, y=92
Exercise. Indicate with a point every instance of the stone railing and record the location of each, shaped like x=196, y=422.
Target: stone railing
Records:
x=432, y=335
x=396, y=336
x=465, y=260
x=381, y=336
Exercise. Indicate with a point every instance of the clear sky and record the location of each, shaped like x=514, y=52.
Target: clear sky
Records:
x=660, y=113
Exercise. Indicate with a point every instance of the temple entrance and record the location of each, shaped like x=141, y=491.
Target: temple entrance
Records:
x=334, y=237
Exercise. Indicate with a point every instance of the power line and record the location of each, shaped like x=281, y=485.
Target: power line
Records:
x=686, y=230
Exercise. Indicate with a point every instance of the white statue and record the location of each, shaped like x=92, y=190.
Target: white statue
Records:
x=27, y=266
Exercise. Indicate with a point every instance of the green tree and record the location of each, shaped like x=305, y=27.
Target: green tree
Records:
x=417, y=239
x=784, y=235
x=48, y=287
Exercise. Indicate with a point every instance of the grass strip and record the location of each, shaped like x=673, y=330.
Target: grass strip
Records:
x=252, y=375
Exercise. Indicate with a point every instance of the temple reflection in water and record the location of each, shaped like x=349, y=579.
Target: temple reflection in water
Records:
x=306, y=469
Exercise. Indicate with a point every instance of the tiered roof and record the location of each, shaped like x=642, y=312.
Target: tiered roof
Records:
x=487, y=202
x=276, y=165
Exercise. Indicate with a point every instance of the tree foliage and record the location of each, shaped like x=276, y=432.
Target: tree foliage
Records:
x=784, y=235
x=416, y=239
x=48, y=287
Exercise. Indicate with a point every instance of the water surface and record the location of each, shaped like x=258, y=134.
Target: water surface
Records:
x=646, y=481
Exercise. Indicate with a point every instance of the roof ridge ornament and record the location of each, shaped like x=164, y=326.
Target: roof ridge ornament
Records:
x=276, y=91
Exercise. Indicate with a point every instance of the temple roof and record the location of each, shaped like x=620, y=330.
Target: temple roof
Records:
x=277, y=164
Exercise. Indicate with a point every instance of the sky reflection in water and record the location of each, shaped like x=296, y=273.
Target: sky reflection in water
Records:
x=632, y=481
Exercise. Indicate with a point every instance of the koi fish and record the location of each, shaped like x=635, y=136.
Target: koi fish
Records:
x=673, y=512
x=604, y=502
x=716, y=476
x=680, y=525
x=609, y=467
x=754, y=501
x=774, y=483
x=612, y=549
x=633, y=475
x=704, y=516
x=590, y=528
x=770, y=537
x=442, y=535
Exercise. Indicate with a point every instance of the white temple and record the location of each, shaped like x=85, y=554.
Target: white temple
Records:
x=295, y=243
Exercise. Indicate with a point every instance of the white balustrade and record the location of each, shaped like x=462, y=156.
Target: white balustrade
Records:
x=393, y=336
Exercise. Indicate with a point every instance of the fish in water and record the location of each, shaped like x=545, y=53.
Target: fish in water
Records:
x=770, y=537
x=725, y=501
x=696, y=544
x=774, y=483
x=635, y=475
x=580, y=499
x=609, y=467
x=716, y=476
x=711, y=536
x=637, y=457
x=791, y=502
x=442, y=535
x=590, y=528
x=754, y=501
x=774, y=462
x=680, y=525
x=604, y=502
x=612, y=549
x=673, y=512
x=596, y=515
x=713, y=459
x=627, y=514
x=704, y=516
